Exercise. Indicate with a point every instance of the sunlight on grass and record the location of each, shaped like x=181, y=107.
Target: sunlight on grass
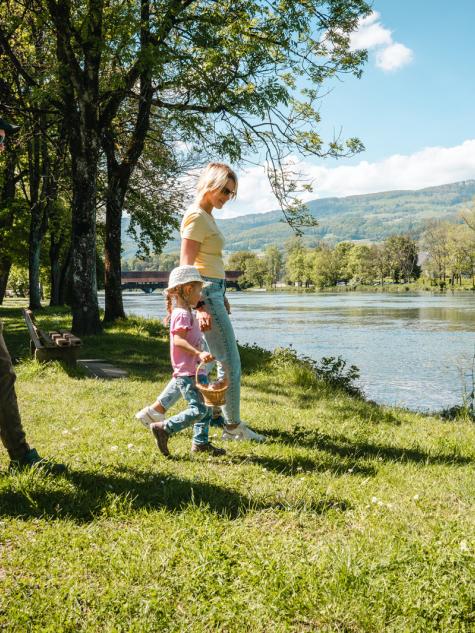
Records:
x=352, y=517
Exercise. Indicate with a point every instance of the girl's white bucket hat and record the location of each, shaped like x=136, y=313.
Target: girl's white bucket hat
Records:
x=183, y=275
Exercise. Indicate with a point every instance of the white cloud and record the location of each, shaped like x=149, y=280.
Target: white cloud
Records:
x=429, y=167
x=371, y=34
x=394, y=57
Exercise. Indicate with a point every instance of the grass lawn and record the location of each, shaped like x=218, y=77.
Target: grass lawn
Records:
x=352, y=518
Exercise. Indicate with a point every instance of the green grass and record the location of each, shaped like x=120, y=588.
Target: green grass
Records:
x=352, y=518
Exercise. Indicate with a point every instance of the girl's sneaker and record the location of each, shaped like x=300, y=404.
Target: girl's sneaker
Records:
x=148, y=416
x=242, y=433
x=208, y=448
x=161, y=437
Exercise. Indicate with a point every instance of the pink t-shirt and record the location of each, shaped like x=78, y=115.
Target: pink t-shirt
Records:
x=183, y=363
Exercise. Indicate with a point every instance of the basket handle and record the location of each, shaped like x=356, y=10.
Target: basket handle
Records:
x=198, y=367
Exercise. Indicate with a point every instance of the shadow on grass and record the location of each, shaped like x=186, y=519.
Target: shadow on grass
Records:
x=344, y=447
x=353, y=405
x=137, y=345
x=127, y=490
x=298, y=465
x=142, y=356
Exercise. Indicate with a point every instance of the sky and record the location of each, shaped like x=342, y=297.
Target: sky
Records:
x=413, y=108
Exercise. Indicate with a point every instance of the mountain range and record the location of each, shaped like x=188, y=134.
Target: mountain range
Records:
x=370, y=217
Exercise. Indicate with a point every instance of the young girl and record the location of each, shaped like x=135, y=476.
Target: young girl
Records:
x=183, y=293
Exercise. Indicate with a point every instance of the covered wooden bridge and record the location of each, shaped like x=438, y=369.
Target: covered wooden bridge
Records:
x=150, y=280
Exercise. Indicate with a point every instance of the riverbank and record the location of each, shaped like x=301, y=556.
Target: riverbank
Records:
x=373, y=288
x=353, y=517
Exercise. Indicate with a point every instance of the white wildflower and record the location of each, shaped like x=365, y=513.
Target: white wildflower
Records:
x=114, y=448
x=464, y=546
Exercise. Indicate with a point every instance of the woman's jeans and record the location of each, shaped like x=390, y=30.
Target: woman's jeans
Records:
x=197, y=414
x=222, y=344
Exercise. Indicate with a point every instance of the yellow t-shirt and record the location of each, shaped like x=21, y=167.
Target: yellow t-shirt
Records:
x=200, y=226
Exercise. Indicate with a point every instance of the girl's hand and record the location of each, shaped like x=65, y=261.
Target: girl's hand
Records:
x=204, y=319
x=227, y=306
x=205, y=357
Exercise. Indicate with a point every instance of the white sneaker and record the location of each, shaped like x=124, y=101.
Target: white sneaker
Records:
x=242, y=433
x=148, y=415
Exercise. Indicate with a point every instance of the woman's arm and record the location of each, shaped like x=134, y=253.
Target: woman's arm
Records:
x=189, y=251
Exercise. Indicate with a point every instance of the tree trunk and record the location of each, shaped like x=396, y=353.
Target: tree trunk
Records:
x=7, y=196
x=118, y=176
x=85, y=306
x=65, y=282
x=5, y=266
x=55, y=269
x=34, y=272
x=114, y=307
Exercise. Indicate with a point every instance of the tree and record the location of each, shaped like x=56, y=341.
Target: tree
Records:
x=342, y=253
x=326, y=267
x=434, y=241
x=274, y=263
x=460, y=252
x=402, y=257
x=360, y=264
x=380, y=258
x=12, y=213
x=295, y=262
x=243, y=261
x=223, y=75
x=468, y=216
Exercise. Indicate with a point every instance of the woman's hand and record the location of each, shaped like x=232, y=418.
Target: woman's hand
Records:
x=205, y=357
x=227, y=306
x=204, y=319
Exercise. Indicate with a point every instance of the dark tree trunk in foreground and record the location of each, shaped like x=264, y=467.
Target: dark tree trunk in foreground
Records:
x=79, y=83
x=6, y=221
x=83, y=242
x=118, y=177
x=5, y=266
x=114, y=306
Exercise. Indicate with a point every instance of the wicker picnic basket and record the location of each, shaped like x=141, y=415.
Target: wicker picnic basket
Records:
x=212, y=396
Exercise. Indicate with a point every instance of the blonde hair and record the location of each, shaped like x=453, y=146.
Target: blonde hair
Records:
x=171, y=296
x=214, y=176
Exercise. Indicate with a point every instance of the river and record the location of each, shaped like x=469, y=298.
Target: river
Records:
x=412, y=349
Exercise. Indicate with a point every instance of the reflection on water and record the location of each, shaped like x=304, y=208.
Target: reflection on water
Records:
x=412, y=350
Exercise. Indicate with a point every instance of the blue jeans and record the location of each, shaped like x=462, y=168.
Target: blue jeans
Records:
x=171, y=394
x=197, y=414
x=222, y=344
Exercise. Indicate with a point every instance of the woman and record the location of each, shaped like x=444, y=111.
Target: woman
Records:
x=202, y=245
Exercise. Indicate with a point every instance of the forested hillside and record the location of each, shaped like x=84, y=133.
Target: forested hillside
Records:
x=371, y=217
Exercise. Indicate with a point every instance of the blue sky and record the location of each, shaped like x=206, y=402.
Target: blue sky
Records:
x=413, y=108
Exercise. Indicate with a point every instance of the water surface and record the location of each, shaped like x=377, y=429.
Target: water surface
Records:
x=414, y=350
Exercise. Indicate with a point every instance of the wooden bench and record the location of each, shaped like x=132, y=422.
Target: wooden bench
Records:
x=46, y=346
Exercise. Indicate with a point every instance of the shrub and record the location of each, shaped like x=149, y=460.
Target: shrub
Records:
x=329, y=370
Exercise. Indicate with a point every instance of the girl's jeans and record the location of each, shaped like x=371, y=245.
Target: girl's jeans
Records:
x=171, y=394
x=197, y=414
x=222, y=344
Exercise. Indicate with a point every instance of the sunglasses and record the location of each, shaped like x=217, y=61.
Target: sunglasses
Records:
x=227, y=192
